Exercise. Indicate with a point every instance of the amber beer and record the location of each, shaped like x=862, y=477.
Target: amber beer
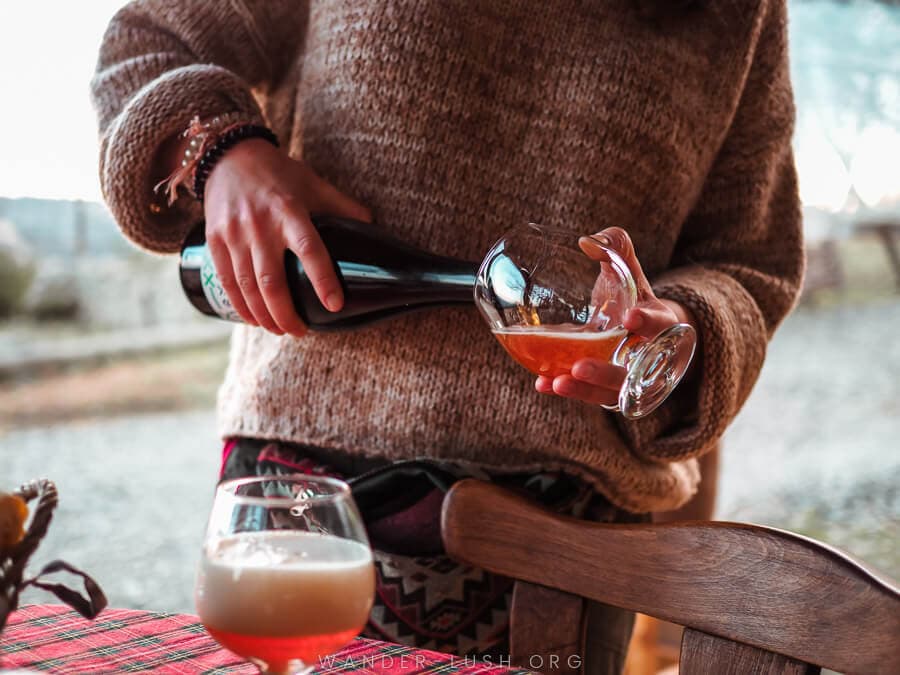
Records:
x=277, y=596
x=553, y=350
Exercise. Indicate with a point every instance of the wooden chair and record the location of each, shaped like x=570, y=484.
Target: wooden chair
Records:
x=752, y=599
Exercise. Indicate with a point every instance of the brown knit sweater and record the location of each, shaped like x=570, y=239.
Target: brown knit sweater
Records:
x=453, y=120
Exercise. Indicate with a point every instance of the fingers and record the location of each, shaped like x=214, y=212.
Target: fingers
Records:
x=598, y=374
x=591, y=381
x=617, y=239
x=271, y=280
x=544, y=384
x=301, y=237
x=245, y=276
x=593, y=248
x=251, y=269
x=225, y=272
x=568, y=387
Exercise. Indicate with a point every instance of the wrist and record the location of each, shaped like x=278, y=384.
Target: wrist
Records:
x=225, y=143
x=683, y=314
x=249, y=152
x=190, y=156
x=248, y=158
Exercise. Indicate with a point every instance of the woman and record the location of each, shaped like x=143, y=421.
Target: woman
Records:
x=448, y=122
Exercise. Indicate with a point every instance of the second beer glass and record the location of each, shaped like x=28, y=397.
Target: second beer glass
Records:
x=286, y=576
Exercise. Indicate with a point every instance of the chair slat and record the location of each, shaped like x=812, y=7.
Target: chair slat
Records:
x=546, y=629
x=704, y=654
x=760, y=586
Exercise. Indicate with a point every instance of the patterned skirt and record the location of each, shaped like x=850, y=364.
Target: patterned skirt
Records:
x=423, y=598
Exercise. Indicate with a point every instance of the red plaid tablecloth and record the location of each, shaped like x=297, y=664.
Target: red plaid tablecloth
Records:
x=56, y=639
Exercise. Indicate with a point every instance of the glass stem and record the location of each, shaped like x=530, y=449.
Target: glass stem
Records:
x=630, y=347
x=292, y=667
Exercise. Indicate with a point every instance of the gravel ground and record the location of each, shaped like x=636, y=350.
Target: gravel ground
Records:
x=814, y=450
x=817, y=447
x=134, y=496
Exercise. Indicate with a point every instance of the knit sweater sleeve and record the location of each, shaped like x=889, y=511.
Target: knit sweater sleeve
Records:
x=161, y=63
x=739, y=258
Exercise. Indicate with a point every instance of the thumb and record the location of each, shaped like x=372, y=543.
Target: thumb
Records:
x=618, y=240
x=648, y=322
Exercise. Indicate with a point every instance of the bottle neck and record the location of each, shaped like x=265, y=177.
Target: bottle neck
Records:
x=457, y=280
x=368, y=258
x=439, y=281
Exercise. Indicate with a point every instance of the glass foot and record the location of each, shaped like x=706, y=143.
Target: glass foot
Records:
x=655, y=370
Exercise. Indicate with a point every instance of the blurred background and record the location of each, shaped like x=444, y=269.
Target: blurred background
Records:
x=108, y=377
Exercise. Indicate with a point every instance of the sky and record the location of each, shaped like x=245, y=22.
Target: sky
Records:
x=48, y=131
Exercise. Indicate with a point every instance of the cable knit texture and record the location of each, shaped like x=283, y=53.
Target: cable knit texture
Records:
x=453, y=120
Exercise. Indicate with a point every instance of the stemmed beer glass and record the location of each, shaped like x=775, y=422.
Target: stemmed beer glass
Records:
x=286, y=576
x=550, y=304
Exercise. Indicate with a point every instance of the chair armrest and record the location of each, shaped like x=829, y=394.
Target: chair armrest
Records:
x=764, y=587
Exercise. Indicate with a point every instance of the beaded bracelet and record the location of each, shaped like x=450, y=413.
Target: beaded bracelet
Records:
x=201, y=135
x=224, y=142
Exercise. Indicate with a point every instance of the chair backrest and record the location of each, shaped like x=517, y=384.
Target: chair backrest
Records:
x=760, y=599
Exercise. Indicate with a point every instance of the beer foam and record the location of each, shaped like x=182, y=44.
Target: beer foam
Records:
x=285, y=583
x=288, y=549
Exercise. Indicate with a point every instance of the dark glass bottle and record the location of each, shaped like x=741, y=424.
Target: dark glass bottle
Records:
x=381, y=277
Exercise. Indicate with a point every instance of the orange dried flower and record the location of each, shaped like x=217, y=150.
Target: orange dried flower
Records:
x=13, y=513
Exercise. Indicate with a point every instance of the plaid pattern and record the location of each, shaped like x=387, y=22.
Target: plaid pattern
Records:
x=54, y=638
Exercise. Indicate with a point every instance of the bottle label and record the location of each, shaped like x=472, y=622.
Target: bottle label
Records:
x=199, y=257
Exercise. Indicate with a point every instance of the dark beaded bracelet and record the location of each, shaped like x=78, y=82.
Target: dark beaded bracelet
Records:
x=222, y=144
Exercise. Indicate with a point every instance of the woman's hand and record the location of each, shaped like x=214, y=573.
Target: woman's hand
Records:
x=257, y=204
x=596, y=381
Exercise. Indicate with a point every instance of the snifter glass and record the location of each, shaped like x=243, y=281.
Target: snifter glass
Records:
x=550, y=304
x=286, y=576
